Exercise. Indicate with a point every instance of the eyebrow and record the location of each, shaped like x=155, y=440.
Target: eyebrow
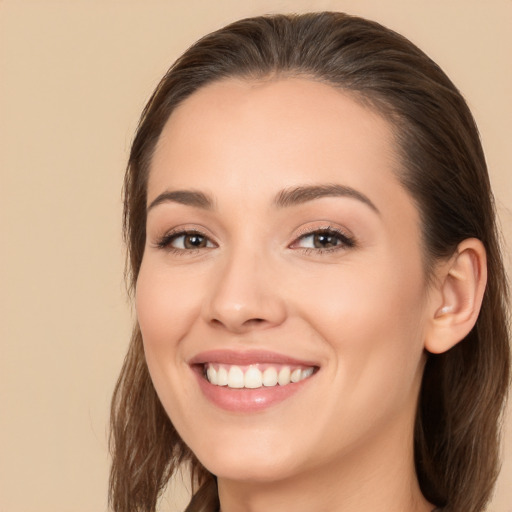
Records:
x=284, y=199
x=186, y=197
x=303, y=194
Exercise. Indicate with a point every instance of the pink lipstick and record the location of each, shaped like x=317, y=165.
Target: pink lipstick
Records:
x=250, y=381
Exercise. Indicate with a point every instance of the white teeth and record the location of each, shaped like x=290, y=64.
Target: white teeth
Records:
x=253, y=378
x=306, y=373
x=284, y=376
x=270, y=377
x=222, y=377
x=211, y=373
x=234, y=376
x=295, y=376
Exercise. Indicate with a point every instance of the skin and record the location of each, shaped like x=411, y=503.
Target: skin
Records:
x=362, y=312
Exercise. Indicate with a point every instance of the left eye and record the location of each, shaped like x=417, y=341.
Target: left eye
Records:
x=325, y=239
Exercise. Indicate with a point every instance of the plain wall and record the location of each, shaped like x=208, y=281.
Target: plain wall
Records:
x=74, y=76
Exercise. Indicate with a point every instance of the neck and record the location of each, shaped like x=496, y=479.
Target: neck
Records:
x=377, y=475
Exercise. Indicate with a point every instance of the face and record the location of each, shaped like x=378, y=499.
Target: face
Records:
x=281, y=298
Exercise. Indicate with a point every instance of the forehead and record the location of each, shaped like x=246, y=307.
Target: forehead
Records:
x=284, y=110
x=235, y=134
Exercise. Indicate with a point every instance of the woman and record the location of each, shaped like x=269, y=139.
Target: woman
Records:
x=320, y=296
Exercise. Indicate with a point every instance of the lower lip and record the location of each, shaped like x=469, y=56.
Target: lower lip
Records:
x=248, y=400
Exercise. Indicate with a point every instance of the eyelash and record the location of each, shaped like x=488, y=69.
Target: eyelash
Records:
x=344, y=241
x=166, y=241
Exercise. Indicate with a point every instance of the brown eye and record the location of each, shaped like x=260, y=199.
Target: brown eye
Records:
x=325, y=239
x=194, y=241
x=185, y=241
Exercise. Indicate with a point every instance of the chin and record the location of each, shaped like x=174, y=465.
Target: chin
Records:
x=254, y=463
x=247, y=471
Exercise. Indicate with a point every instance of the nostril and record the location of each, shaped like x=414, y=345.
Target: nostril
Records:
x=247, y=324
x=254, y=321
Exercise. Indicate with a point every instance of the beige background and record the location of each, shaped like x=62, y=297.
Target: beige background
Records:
x=74, y=76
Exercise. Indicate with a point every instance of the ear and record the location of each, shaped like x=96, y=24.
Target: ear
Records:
x=458, y=296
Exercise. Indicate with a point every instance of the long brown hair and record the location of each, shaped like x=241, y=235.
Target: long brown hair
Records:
x=443, y=167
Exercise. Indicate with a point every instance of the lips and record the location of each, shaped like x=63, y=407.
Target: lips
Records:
x=246, y=358
x=250, y=381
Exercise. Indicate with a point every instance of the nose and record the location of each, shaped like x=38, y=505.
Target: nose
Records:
x=245, y=295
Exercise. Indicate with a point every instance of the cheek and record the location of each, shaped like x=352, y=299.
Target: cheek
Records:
x=372, y=319
x=165, y=309
x=380, y=296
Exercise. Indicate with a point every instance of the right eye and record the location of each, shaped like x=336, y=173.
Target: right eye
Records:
x=185, y=241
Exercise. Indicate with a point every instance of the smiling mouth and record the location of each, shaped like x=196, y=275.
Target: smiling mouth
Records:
x=255, y=376
x=247, y=382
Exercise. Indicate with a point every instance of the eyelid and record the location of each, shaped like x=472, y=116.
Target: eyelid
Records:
x=347, y=239
x=164, y=241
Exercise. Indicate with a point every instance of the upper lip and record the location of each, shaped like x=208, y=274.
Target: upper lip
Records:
x=244, y=358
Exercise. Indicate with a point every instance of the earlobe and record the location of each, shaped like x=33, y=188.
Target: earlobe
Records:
x=461, y=285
